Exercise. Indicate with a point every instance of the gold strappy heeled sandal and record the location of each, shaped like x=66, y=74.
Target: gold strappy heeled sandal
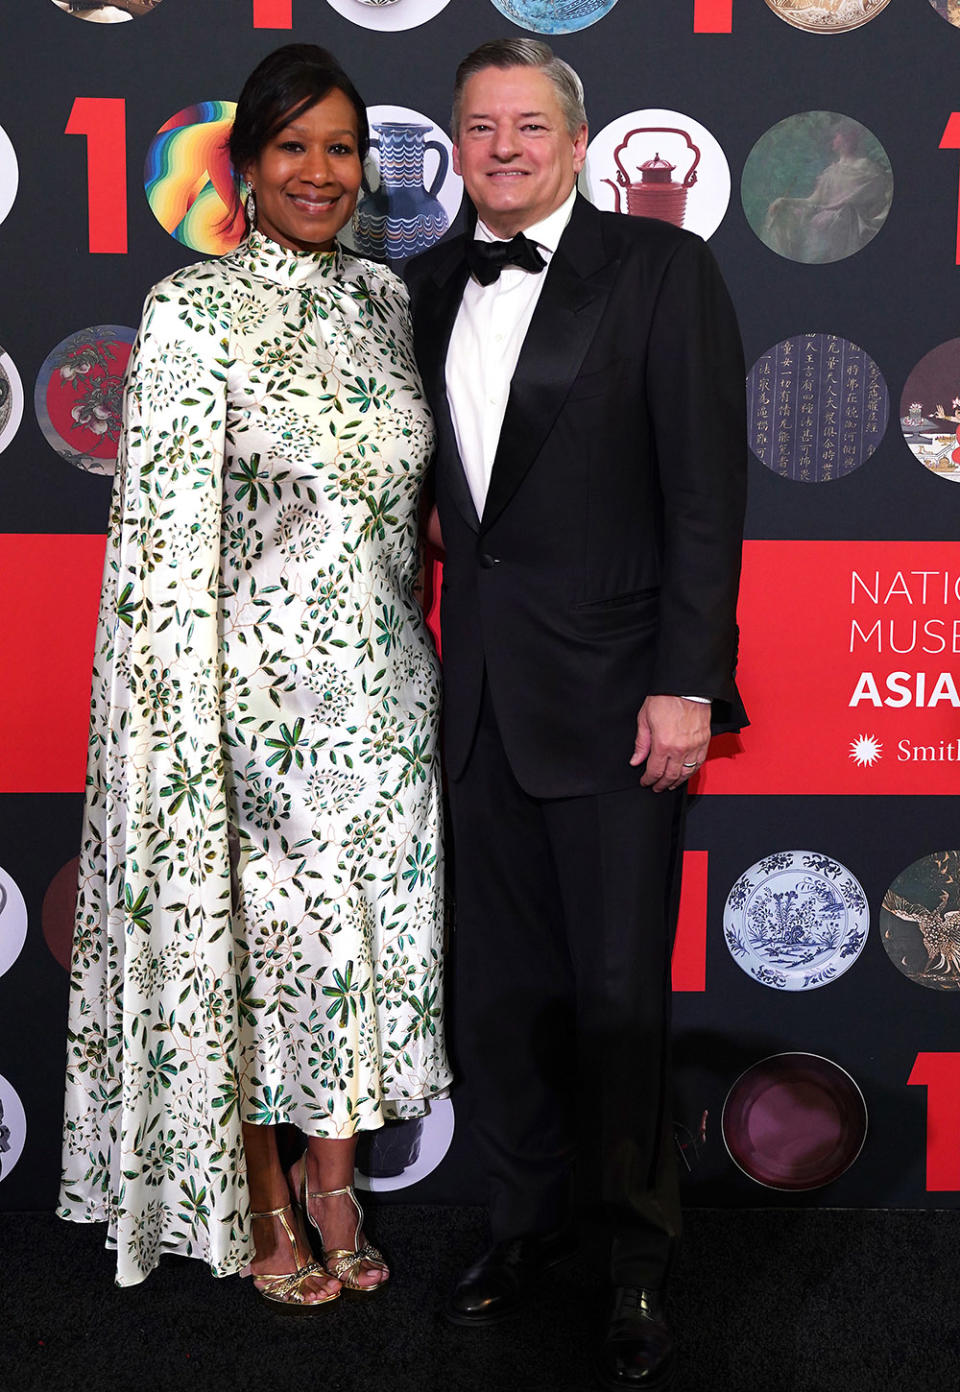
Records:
x=283, y=1291
x=339, y=1261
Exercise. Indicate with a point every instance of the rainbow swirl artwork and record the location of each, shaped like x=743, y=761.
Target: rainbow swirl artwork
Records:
x=188, y=178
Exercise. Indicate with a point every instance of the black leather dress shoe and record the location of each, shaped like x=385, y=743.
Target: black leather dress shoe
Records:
x=637, y=1351
x=498, y=1285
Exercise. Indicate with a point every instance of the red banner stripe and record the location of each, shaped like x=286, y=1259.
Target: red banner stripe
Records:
x=47, y=628
x=103, y=120
x=690, y=947
x=713, y=17
x=273, y=14
x=940, y=1075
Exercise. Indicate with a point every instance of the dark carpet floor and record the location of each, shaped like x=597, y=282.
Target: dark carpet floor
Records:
x=764, y=1301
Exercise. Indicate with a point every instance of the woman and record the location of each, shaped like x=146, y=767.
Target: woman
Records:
x=846, y=209
x=257, y=935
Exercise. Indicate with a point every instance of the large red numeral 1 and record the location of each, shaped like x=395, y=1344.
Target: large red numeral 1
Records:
x=713, y=16
x=690, y=946
x=273, y=14
x=950, y=140
x=940, y=1074
x=103, y=120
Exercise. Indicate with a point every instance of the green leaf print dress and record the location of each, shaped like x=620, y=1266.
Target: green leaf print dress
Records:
x=258, y=929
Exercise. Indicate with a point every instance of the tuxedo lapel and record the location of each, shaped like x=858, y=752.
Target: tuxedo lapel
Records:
x=436, y=316
x=571, y=305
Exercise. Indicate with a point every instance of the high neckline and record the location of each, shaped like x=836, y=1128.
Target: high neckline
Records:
x=283, y=265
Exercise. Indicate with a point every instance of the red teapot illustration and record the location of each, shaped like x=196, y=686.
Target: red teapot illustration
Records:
x=655, y=194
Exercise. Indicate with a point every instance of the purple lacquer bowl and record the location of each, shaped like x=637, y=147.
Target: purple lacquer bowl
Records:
x=794, y=1121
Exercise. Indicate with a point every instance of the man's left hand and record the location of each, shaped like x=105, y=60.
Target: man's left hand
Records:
x=672, y=735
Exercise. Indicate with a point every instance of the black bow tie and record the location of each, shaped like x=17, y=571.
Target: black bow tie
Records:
x=487, y=259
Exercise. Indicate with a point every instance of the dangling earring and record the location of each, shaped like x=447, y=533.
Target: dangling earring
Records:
x=250, y=207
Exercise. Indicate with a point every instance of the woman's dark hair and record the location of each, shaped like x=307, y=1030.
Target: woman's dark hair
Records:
x=285, y=85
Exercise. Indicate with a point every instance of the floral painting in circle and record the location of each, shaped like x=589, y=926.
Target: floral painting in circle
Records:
x=78, y=397
x=796, y=920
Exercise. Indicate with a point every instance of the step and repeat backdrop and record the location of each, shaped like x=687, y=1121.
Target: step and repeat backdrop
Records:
x=817, y=145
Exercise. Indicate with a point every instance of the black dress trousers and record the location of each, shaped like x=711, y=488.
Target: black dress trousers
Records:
x=566, y=910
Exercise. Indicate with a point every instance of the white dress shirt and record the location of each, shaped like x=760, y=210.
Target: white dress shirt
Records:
x=485, y=345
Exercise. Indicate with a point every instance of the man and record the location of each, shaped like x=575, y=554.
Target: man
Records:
x=591, y=455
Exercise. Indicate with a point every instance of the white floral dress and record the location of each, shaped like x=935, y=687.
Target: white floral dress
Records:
x=259, y=920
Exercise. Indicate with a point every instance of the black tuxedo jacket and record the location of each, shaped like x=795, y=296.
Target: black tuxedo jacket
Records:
x=606, y=563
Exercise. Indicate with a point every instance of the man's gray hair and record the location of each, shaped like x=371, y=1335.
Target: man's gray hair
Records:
x=523, y=53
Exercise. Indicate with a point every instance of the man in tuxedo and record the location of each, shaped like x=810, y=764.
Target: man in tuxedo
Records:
x=588, y=387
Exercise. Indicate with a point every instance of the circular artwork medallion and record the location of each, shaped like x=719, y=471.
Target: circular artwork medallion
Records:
x=9, y=174
x=920, y=921
x=107, y=11
x=662, y=164
x=188, y=178
x=794, y=1121
x=13, y=1128
x=817, y=407
x=11, y=400
x=930, y=411
x=410, y=193
x=57, y=912
x=948, y=10
x=796, y=920
x=78, y=397
x=388, y=15
x=827, y=16
x=13, y=921
x=403, y=1152
x=554, y=16
x=817, y=187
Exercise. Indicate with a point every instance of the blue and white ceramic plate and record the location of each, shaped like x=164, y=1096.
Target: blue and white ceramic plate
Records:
x=554, y=16
x=796, y=920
